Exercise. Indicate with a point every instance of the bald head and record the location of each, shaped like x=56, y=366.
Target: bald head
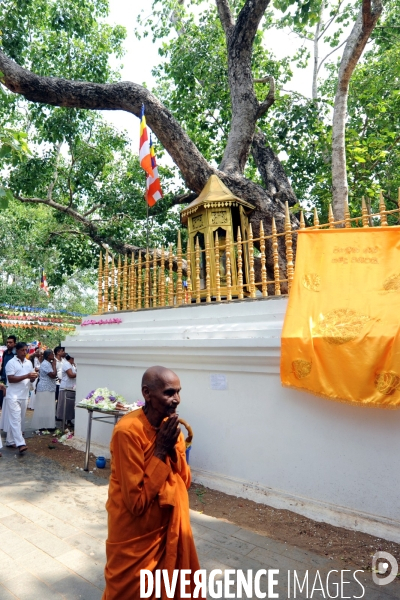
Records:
x=156, y=377
x=161, y=390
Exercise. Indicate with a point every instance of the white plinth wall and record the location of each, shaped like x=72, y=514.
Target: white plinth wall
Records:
x=326, y=460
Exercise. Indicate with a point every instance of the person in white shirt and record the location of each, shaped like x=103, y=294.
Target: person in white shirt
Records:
x=3, y=389
x=68, y=379
x=59, y=354
x=44, y=416
x=36, y=359
x=19, y=375
x=68, y=382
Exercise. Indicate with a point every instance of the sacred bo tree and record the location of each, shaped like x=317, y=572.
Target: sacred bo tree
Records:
x=244, y=136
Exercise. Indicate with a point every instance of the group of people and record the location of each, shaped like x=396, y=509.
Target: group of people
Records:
x=47, y=374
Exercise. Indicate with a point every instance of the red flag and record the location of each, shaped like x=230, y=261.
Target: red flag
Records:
x=43, y=283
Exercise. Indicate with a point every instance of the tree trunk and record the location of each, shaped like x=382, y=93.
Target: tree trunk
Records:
x=273, y=175
x=316, y=58
x=368, y=16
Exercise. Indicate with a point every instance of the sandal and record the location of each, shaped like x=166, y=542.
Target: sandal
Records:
x=22, y=449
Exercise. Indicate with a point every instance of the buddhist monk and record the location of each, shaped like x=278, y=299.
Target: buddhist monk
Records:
x=148, y=509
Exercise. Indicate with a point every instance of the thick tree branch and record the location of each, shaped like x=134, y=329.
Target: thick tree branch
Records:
x=270, y=99
x=225, y=15
x=245, y=106
x=92, y=210
x=266, y=79
x=125, y=96
x=67, y=231
x=248, y=21
x=91, y=231
x=195, y=170
x=271, y=171
x=184, y=198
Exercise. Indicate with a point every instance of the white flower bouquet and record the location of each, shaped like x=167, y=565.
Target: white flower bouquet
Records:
x=105, y=399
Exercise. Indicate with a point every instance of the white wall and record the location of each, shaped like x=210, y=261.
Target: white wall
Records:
x=327, y=460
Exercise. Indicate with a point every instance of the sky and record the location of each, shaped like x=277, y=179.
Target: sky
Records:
x=141, y=56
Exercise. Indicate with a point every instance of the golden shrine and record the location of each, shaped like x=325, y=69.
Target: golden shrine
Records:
x=216, y=220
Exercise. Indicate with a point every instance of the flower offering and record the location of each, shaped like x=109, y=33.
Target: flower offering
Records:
x=106, y=399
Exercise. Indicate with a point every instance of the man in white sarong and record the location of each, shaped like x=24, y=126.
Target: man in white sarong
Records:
x=7, y=356
x=19, y=375
x=3, y=389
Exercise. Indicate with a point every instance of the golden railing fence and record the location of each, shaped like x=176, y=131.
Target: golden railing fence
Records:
x=228, y=270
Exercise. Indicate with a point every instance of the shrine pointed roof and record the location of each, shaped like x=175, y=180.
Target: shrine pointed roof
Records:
x=214, y=194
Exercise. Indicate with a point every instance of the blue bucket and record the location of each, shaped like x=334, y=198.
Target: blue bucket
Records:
x=188, y=453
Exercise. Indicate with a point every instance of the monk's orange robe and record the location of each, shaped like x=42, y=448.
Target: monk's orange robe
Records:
x=148, y=510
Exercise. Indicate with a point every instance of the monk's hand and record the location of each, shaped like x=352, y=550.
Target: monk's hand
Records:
x=167, y=437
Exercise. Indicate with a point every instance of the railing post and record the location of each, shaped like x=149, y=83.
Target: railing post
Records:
x=382, y=211
x=347, y=222
x=106, y=283
x=133, y=289
x=162, y=278
x=251, y=263
x=139, y=281
x=264, y=289
x=364, y=211
x=112, y=286
x=171, y=278
x=188, y=273
x=147, y=281
x=289, y=248
x=316, y=219
x=331, y=218
x=228, y=268
x=208, y=276
x=179, y=293
x=100, y=286
x=198, y=299
x=155, y=277
x=217, y=270
x=125, y=284
x=277, y=285
x=119, y=284
x=240, y=264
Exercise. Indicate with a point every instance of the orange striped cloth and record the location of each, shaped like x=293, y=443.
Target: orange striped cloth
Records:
x=153, y=184
x=144, y=146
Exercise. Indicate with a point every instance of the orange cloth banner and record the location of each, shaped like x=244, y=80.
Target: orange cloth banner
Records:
x=341, y=336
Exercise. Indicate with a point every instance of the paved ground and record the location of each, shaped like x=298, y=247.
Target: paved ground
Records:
x=53, y=528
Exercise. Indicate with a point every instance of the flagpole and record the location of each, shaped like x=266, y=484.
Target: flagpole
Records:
x=147, y=226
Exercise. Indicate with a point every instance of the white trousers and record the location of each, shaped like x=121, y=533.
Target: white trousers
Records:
x=16, y=410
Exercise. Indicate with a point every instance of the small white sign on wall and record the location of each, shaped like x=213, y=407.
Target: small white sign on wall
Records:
x=218, y=381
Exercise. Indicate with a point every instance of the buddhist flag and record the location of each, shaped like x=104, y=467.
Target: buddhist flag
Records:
x=153, y=185
x=144, y=146
x=43, y=283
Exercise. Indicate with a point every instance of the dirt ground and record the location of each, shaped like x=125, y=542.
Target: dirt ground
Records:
x=353, y=548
